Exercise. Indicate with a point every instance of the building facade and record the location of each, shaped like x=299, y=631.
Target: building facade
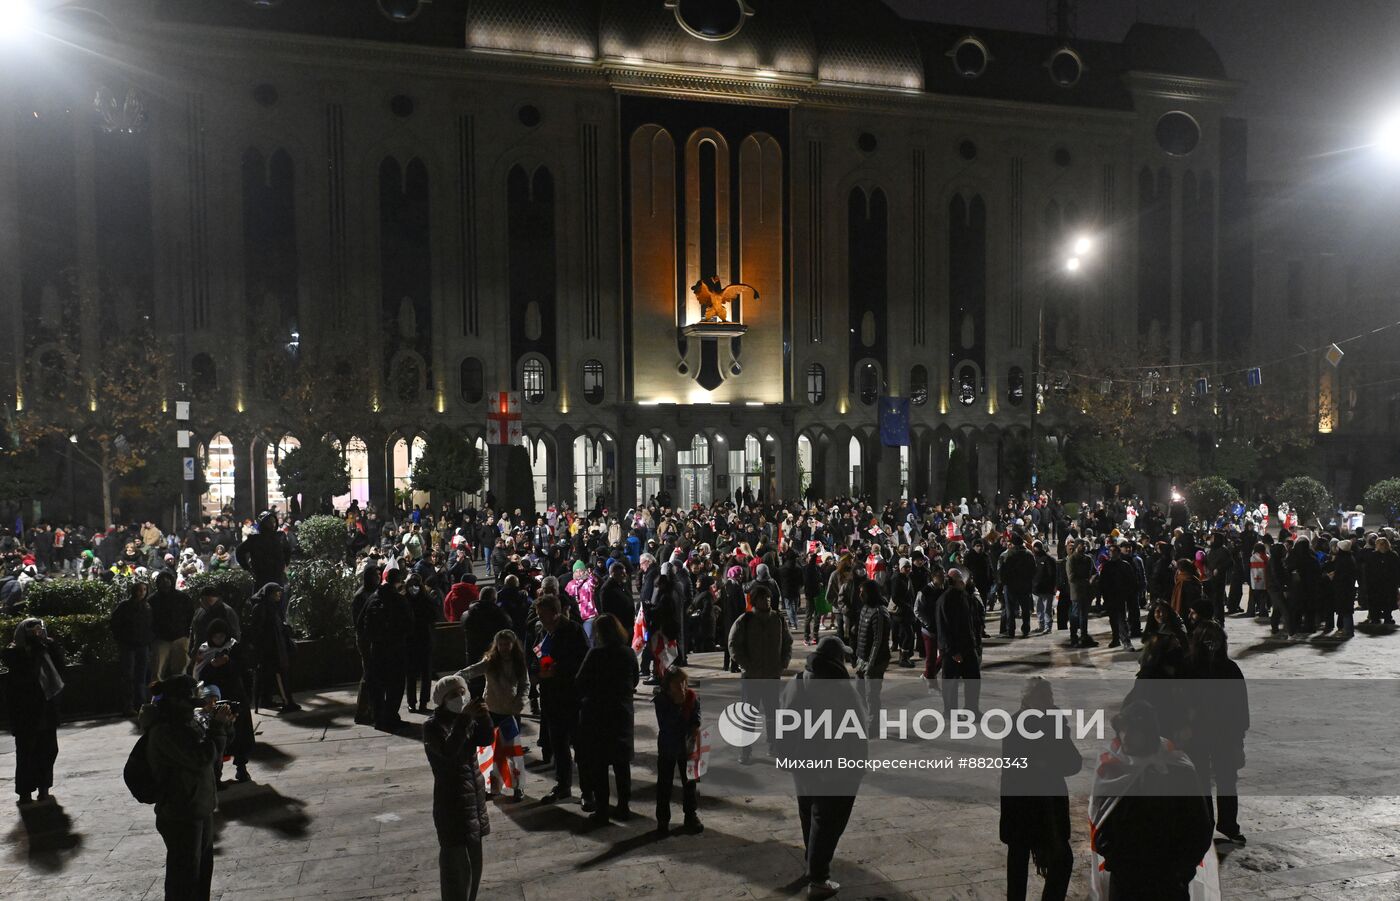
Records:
x=447, y=200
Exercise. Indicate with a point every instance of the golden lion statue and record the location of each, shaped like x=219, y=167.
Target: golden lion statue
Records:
x=713, y=299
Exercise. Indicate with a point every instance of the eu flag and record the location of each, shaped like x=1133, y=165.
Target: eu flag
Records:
x=894, y=421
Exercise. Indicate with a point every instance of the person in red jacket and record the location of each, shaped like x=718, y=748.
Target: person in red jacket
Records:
x=459, y=598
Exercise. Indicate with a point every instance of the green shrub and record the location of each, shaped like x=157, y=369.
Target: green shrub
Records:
x=74, y=597
x=1384, y=498
x=85, y=638
x=235, y=586
x=1207, y=497
x=321, y=593
x=322, y=537
x=1308, y=497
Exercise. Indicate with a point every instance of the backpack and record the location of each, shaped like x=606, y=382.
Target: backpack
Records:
x=140, y=778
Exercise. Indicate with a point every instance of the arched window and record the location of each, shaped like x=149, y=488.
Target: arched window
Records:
x=588, y=471
x=357, y=459
x=804, y=464
x=593, y=381
x=1015, y=386
x=694, y=466
x=918, y=385
x=746, y=466
x=532, y=381
x=816, y=383
x=539, y=471
x=204, y=377
x=648, y=465
x=275, y=451
x=869, y=383
x=484, y=455
x=219, y=474
x=855, y=471
x=404, y=456
x=967, y=386
x=473, y=381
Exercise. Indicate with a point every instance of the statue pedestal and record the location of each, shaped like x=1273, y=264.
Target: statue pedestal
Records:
x=709, y=353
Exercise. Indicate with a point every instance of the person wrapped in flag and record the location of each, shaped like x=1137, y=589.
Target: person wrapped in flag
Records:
x=507, y=687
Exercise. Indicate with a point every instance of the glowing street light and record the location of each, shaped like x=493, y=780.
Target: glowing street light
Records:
x=1388, y=137
x=1072, y=264
x=1082, y=245
x=16, y=17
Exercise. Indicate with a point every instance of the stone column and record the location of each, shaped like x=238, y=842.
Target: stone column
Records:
x=243, y=474
x=887, y=470
x=987, y=464
x=838, y=466
x=563, y=487
x=377, y=464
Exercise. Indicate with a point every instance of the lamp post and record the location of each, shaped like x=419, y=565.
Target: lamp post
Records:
x=1072, y=263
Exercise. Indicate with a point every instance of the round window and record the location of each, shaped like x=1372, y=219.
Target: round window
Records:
x=401, y=105
x=1178, y=133
x=1066, y=67
x=711, y=20
x=866, y=142
x=967, y=150
x=529, y=115
x=969, y=57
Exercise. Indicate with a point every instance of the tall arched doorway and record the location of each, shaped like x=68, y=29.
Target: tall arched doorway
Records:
x=357, y=460
x=805, y=458
x=219, y=474
x=276, y=450
x=404, y=455
x=856, y=473
x=588, y=471
x=648, y=465
x=696, y=474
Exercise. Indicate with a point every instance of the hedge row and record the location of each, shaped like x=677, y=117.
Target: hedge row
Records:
x=85, y=638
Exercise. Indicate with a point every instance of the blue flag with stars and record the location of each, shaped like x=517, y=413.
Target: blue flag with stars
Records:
x=894, y=421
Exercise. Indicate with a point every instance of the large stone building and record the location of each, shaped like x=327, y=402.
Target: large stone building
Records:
x=457, y=198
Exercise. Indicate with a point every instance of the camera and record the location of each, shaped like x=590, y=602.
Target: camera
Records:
x=231, y=705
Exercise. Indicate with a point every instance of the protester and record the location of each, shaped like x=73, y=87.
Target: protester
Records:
x=172, y=612
x=605, y=682
x=677, y=733
x=451, y=734
x=387, y=624
x=32, y=687
x=560, y=653
x=182, y=757
x=760, y=644
x=872, y=649
x=958, y=644
x=132, y=631
x=222, y=661
x=418, y=653
x=271, y=640
x=1218, y=725
x=506, y=682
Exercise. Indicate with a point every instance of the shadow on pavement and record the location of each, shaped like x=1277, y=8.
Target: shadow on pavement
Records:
x=271, y=756
x=44, y=836
x=317, y=713
x=264, y=807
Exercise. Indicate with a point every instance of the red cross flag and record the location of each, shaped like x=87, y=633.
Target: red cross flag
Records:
x=503, y=423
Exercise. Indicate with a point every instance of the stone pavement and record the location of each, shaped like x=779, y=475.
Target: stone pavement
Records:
x=339, y=810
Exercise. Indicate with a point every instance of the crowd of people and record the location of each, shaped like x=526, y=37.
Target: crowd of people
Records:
x=568, y=614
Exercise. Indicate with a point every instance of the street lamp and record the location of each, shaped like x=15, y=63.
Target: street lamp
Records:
x=1388, y=137
x=1074, y=260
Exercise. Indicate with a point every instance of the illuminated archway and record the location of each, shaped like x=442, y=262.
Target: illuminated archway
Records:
x=588, y=471
x=403, y=456
x=357, y=459
x=276, y=450
x=649, y=468
x=856, y=472
x=219, y=474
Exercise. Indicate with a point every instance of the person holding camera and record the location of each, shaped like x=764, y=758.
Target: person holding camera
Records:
x=451, y=734
x=222, y=661
x=182, y=755
x=32, y=686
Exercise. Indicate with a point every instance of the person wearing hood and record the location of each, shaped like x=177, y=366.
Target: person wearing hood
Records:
x=958, y=646
x=387, y=621
x=760, y=644
x=270, y=639
x=872, y=648
x=222, y=661
x=131, y=630
x=183, y=755
x=454, y=730
x=211, y=608
x=171, y=614
x=264, y=554
x=1149, y=822
x=1035, y=802
x=32, y=686
x=825, y=797
x=1219, y=721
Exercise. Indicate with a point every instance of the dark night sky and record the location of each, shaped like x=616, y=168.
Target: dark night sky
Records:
x=1318, y=73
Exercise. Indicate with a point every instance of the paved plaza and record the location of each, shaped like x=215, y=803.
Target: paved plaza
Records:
x=339, y=810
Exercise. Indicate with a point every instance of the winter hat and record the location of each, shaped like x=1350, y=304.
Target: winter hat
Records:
x=1344, y=546
x=761, y=572
x=734, y=572
x=579, y=564
x=832, y=648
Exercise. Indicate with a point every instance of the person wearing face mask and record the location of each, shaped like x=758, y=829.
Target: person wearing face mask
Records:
x=222, y=662
x=182, y=755
x=451, y=734
x=32, y=686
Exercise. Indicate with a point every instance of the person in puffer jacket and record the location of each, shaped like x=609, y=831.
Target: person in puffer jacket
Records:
x=872, y=649
x=451, y=735
x=760, y=644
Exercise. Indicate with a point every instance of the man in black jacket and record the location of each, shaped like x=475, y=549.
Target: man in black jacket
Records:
x=957, y=644
x=388, y=622
x=483, y=620
x=1118, y=584
x=131, y=629
x=561, y=651
x=1017, y=571
x=171, y=614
